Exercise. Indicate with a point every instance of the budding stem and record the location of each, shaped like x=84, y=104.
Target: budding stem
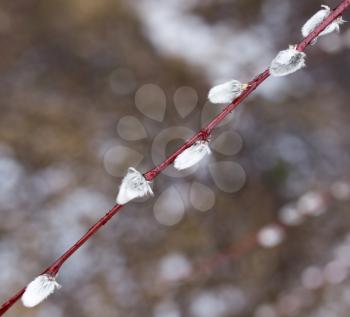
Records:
x=203, y=134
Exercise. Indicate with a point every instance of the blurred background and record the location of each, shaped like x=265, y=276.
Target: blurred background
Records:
x=90, y=87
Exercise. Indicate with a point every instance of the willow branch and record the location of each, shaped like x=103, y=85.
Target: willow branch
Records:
x=203, y=134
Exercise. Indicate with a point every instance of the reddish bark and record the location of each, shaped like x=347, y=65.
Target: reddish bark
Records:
x=203, y=134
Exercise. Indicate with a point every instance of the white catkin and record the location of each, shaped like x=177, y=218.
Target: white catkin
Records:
x=192, y=155
x=312, y=203
x=270, y=236
x=226, y=92
x=39, y=289
x=133, y=185
x=287, y=62
x=317, y=19
x=333, y=27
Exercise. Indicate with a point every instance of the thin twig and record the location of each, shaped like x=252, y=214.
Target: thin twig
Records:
x=203, y=134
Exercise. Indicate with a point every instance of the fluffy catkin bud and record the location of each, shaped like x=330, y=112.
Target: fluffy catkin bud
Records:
x=270, y=236
x=287, y=62
x=192, y=155
x=134, y=185
x=226, y=92
x=39, y=289
x=317, y=19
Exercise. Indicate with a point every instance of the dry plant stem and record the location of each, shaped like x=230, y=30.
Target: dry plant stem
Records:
x=201, y=135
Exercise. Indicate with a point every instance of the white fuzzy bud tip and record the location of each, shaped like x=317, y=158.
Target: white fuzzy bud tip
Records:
x=312, y=203
x=333, y=27
x=291, y=216
x=317, y=19
x=270, y=236
x=340, y=190
x=39, y=289
x=287, y=62
x=192, y=155
x=134, y=185
x=227, y=92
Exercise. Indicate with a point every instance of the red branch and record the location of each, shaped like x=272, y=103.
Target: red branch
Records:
x=203, y=134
